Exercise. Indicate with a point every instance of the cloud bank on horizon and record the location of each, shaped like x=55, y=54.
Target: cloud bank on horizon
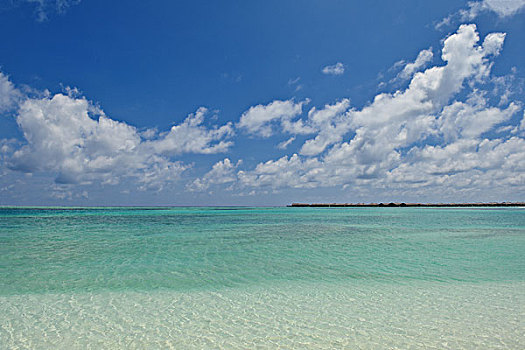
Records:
x=452, y=130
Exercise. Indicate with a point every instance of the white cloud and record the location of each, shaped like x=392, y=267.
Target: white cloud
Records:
x=502, y=8
x=476, y=164
x=7, y=147
x=397, y=120
x=261, y=120
x=66, y=192
x=441, y=133
x=69, y=137
x=192, y=137
x=9, y=95
x=335, y=69
x=424, y=57
x=331, y=123
x=386, y=139
x=286, y=143
x=470, y=120
x=222, y=172
x=295, y=83
x=291, y=172
x=45, y=7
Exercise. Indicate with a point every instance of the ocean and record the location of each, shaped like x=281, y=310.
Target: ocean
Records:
x=243, y=278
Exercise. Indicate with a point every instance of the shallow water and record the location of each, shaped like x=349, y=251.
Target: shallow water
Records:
x=248, y=277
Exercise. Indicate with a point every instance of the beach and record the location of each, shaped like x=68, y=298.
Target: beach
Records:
x=357, y=278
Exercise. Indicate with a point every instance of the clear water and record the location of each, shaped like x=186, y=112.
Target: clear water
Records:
x=262, y=277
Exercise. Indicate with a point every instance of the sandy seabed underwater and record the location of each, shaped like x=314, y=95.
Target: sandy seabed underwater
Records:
x=356, y=278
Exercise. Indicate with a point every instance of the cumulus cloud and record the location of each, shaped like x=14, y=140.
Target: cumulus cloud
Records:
x=442, y=132
x=192, y=137
x=9, y=95
x=261, y=120
x=423, y=58
x=502, y=8
x=413, y=138
x=466, y=164
x=404, y=117
x=335, y=69
x=522, y=124
x=71, y=138
x=222, y=172
x=330, y=123
x=462, y=120
x=293, y=172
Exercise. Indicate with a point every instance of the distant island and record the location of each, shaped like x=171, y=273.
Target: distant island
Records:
x=392, y=204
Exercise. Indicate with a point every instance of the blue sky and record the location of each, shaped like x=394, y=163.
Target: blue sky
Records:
x=261, y=102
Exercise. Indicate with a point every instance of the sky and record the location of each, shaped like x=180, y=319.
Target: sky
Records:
x=261, y=102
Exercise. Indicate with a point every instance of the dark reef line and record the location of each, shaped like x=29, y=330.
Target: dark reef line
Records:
x=392, y=204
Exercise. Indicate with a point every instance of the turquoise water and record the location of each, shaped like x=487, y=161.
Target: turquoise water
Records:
x=262, y=277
